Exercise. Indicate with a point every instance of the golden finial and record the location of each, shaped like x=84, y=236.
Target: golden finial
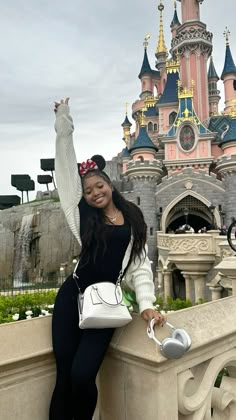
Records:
x=145, y=42
x=185, y=92
x=161, y=47
x=226, y=35
x=142, y=118
x=126, y=107
x=149, y=101
x=175, y=4
x=173, y=66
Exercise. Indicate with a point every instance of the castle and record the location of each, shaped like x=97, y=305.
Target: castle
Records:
x=179, y=163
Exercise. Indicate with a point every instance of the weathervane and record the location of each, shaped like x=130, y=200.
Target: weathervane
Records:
x=145, y=42
x=226, y=35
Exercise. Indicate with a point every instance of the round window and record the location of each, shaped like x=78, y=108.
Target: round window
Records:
x=187, y=138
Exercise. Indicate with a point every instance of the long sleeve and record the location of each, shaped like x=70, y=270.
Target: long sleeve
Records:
x=66, y=170
x=139, y=277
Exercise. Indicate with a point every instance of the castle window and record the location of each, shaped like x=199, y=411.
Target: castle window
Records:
x=155, y=127
x=150, y=126
x=172, y=117
x=151, y=231
x=138, y=201
x=141, y=158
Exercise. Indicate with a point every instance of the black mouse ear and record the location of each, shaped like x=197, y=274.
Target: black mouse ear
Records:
x=100, y=161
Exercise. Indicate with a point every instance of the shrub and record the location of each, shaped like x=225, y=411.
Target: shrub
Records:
x=26, y=305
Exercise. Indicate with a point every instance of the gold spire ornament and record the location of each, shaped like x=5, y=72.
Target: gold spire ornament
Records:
x=145, y=42
x=161, y=47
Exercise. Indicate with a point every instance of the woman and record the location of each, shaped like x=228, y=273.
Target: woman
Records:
x=112, y=233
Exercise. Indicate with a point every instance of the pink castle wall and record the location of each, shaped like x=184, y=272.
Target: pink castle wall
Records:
x=230, y=93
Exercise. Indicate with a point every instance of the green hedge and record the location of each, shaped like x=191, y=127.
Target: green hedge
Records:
x=21, y=303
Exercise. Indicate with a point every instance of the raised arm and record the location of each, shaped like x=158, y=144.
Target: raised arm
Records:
x=66, y=169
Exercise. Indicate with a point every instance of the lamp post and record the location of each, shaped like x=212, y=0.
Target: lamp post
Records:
x=212, y=210
x=186, y=213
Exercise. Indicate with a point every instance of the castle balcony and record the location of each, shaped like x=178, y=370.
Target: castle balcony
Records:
x=138, y=106
x=195, y=256
x=136, y=381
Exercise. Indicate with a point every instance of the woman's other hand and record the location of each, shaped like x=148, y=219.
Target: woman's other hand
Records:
x=62, y=101
x=149, y=314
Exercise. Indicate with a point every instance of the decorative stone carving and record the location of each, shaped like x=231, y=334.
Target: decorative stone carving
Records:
x=205, y=396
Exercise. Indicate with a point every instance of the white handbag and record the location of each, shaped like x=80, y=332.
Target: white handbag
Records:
x=102, y=306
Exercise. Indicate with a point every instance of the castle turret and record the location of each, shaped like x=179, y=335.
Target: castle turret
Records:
x=145, y=74
x=175, y=21
x=214, y=93
x=144, y=170
x=226, y=166
x=229, y=76
x=193, y=43
x=161, y=51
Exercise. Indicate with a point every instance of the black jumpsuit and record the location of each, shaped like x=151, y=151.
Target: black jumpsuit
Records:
x=79, y=353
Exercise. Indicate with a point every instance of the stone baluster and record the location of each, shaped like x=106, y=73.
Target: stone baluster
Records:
x=199, y=285
x=168, y=284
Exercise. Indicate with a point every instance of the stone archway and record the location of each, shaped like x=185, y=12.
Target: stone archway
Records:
x=198, y=211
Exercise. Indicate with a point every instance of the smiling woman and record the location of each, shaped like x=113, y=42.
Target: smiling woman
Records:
x=112, y=232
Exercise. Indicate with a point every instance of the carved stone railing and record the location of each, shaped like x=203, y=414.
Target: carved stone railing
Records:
x=135, y=382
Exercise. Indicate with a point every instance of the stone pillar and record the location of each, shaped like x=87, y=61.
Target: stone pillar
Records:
x=168, y=284
x=159, y=284
x=233, y=286
x=216, y=292
x=199, y=285
x=189, y=290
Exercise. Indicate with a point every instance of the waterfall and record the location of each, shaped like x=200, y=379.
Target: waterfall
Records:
x=22, y=252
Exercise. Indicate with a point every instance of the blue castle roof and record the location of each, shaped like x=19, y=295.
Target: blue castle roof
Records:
x=143, y=140
x=175, y=20
x=126, y=122
x=230, y=132
x=229, y=66
x=170, y=93
x=151, y=112
x=145, y=66
x=125, y=153
x=212, y=71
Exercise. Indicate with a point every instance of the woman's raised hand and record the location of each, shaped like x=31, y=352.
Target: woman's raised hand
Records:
x=62, y=101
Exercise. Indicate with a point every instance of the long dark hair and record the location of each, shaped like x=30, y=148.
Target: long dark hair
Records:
x=92, y=224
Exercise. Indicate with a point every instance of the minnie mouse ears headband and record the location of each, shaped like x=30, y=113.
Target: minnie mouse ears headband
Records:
x=97, y=162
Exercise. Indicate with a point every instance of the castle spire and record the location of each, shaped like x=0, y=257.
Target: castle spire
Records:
x=161, y=51
x=146, y=68
x=229, y=66
x=175, y=20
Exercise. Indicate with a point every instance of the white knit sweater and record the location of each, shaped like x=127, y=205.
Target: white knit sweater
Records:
x=139, y=275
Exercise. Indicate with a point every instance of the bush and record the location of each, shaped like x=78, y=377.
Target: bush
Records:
x=26, y=305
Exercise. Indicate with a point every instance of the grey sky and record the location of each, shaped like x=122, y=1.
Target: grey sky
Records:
x=90, y=51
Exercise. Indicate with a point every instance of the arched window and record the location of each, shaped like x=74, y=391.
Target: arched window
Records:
x=141, y=158
x=150, y=126
x=172, y=117
x=138, y=201
x=155, y=127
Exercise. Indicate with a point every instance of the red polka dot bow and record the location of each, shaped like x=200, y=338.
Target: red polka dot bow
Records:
x=89, y=165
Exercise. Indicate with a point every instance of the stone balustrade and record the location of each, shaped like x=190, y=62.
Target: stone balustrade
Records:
x=136, y=382
x=195, y=255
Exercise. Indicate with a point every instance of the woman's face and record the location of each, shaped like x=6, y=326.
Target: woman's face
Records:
x=97, y=192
